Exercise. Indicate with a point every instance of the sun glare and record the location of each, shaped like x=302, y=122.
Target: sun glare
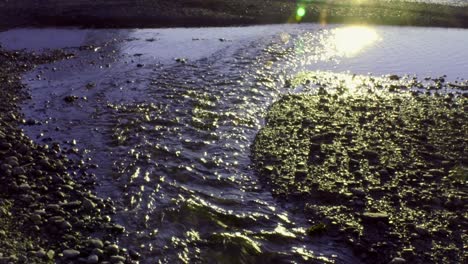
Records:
x=349, y=41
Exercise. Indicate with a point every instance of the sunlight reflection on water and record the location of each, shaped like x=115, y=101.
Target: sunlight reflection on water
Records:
x=350, y=41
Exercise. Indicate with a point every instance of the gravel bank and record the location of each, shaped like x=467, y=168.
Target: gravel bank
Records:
x=47, y=212
x=379, y=163
x=145, y=13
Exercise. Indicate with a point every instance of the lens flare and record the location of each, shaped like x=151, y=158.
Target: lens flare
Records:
x=300, y=12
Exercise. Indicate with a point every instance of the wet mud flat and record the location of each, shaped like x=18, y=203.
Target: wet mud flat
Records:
x=145, y=13
x=47, y=212
x=381, y=163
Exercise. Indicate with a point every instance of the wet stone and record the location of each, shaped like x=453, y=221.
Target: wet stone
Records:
x=397, y=261
x=134, y=254
x=88, y=205
x=92, y=259
x=41, y=254
x=117, y=259
x=65, y=225
x=370, y=216
x=36, y=219
x=96, y=243
x=70, y=98
x=112, y=249
x=50, y=254
x=70, y=253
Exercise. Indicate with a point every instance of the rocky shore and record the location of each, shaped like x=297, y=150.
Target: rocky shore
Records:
x=379, y=163
x=48, y=213
x=190, y=13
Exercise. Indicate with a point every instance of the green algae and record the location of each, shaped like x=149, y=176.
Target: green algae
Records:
x=374, y=162
x=317, y=229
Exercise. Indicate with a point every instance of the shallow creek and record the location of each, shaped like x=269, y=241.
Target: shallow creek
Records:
x=169, y=115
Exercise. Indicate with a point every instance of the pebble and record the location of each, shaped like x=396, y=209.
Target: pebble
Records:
x=117, y=259
x=92, y=259
x=397, y=261
x=36, y=219
x=375, y=216
x=134, y=254
x=88, y=205
x=41, y=253
x=70, y=253
x=96, y=243
x=112, y=249
x=50, y=254
x=66, y=225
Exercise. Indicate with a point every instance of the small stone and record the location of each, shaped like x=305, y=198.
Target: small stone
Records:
x=92, y=259
x=112, y=249
x=36, y=219
x=13, y=258
x=41, y=254
x=98, y=252
x=118, y=228
x=397, y=261
x=53, y=207
x=65, y=225
x=24, y=187
x=134, y=254
x=88, y=205
x=374, y=217
x=50, y=254
x=90, y=85
x=22, y=259
x=5, y=146
x=70, y=98
x=18, y=171
x=421, y=231
x=180, y=60
x=70, y=253
x=5, y=167
x=96, y=243
x=117, y=259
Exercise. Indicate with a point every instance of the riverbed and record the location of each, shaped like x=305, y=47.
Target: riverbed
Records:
x=168, y=117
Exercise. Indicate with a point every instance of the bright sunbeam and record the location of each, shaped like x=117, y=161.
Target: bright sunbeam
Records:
x=349, y=41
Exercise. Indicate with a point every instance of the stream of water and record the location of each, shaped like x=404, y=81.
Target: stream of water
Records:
x=169, y=116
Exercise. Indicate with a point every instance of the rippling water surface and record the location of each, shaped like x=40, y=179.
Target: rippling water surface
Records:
x=169, y=116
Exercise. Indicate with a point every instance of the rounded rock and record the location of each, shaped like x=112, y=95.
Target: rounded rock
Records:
x=70, y=253
x=117, y=259
x=92, y=259
x=398, y=260
x=96, y=243
x=112, y=249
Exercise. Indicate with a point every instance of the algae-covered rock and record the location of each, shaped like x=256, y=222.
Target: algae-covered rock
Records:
x=373, y=161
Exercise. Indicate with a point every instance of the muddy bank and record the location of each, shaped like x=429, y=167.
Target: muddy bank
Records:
x=381, y=163
x=144, y=13
x=48, y=213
